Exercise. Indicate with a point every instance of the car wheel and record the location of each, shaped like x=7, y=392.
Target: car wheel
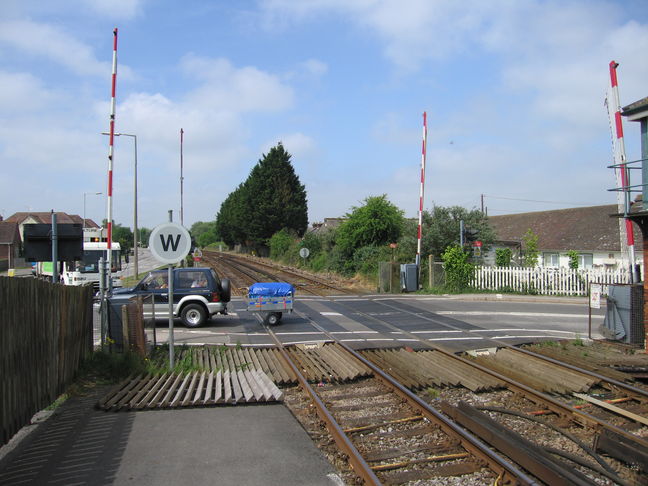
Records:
x=273, y=318
x=226, y=290
x=193, y=315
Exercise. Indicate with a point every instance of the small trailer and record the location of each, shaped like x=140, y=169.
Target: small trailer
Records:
x=271, y=300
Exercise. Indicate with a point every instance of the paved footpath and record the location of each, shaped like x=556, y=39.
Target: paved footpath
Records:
x=238, y=445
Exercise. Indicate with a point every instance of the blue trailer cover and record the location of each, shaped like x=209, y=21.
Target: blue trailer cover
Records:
x=271, y=289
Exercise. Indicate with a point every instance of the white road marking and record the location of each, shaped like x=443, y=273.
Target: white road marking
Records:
x=519, y=329
x=437, y=332
x=527, y=336
x=517, y=314
x=456, y=339
x=354, y=332
x=330, y=313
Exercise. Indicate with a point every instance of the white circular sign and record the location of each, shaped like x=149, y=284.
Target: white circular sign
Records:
x=169, y=242
x=304, y=252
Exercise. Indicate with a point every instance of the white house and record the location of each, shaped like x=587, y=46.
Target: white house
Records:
x=591, y=231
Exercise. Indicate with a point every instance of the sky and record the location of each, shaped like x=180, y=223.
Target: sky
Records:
x=514, y=93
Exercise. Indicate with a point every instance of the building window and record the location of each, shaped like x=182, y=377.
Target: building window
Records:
x=585, y=260
x=551, y=259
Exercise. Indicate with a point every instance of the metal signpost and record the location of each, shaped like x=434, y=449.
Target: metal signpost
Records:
x=477, y=248
x=594, y=303
x=170, y=243
x=304, y=252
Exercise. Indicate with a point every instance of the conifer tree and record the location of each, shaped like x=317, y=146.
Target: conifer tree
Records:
x=274, y=198
x=270, y=199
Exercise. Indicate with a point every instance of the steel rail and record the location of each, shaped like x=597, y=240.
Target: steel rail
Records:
x=497, y=463
x=641, y=395
x=238, y=266
x=552, y=404
x=356, y=460
x=538, y=397
x=310, y=279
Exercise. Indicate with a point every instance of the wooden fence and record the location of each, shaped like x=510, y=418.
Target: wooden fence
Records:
x=45, y=333
x=545, y=281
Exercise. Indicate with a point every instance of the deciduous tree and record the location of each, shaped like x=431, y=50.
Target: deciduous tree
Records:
x=377, y=222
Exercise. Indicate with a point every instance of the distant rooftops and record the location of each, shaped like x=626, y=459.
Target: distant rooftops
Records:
x=585, y=228
x=327, y=224
x=46, y=218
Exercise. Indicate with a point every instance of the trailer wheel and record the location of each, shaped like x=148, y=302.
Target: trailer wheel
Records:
x=193, y=315
x=273, y=318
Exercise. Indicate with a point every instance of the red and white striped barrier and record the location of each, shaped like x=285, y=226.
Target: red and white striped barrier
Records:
x=111, y=153
x=422, y=192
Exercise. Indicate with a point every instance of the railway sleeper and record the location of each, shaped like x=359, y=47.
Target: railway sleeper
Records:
x=397, y=434
x=385, y=454
x=439, y=471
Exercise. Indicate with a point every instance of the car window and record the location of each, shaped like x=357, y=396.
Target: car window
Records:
x=154, y=281
x=192, y=279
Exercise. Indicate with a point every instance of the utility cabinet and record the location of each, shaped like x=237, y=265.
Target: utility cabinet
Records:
x=409, y=277
x=624, y=314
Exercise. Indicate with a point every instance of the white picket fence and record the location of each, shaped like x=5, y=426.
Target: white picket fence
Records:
x=545, y=281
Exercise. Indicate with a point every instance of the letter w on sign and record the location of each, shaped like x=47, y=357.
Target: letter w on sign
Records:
x=169, y=242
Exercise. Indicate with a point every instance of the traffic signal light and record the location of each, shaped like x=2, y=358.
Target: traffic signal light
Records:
x=470, y=235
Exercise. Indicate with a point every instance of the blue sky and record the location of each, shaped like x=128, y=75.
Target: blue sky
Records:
x=514, y=92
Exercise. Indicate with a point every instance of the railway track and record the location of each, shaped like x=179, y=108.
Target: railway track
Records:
x=518, y=400
x=243, y=272
x=390, y=436
x=556, y=391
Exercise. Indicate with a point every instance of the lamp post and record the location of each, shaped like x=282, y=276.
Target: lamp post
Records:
x=135, y=237
x=84, y=203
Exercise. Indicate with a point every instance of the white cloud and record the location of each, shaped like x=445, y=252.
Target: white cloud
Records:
x=391, y=129
x=315, y=67
x=557, y=45
x=22, y=93
x=108, y=9
x=123, y=9
x=412, y=30
x=45, y=40
x=56, y=131
x=239, y=89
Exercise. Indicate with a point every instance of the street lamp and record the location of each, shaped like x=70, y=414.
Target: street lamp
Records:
x=84, y=203
x=135, y=238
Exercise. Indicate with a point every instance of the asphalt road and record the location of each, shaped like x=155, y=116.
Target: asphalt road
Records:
x=456, y=323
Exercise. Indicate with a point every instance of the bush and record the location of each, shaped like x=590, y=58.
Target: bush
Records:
x=338, y=262
x=280, y=243
x=112, y=367
x=503, y=257
x=573, y=259
x=459, y=271
x=318, y=263
x=366, y=259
